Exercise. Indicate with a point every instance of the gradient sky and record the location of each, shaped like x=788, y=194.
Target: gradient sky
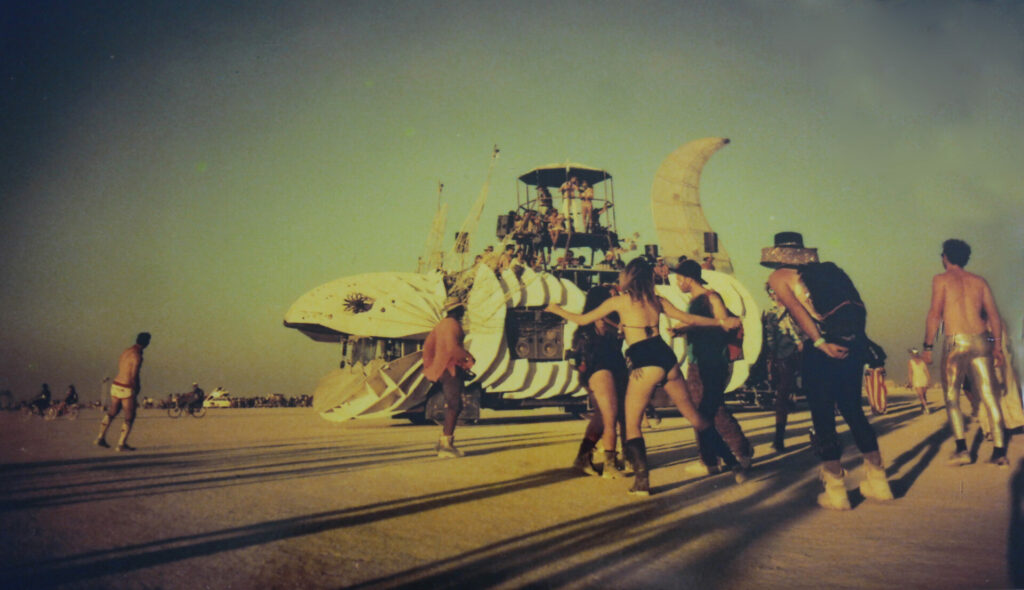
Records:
x=192, y=168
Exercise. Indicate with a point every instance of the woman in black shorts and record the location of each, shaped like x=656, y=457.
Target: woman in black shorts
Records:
x=597, y=351
x=650, y=359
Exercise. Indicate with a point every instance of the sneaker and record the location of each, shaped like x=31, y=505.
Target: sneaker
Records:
x=124, y=447
x=102, y=443
x=958, y=458
x=1003, y=462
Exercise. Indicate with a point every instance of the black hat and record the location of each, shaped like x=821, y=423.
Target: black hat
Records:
x=690, y=269
x=788, y=251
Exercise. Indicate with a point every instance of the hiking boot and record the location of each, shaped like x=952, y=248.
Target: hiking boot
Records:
x=611, y=467
x=584, y=464
x=875, y=485
x=834, y=497
x=102, y=443
x=958, y=458
x=636, y=453
x=446, y=448
x=124, y=447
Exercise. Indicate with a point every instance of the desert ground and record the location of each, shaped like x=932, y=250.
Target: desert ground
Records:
x=280, y=498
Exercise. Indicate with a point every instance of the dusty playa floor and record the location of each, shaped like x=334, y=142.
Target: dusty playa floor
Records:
x=280, y=498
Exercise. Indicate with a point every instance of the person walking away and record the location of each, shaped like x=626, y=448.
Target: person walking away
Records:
x=124, y=392
x=597, y=351
x=919, y=377
x=783, y=345
x=828, y=309
x=964, y=304
x=708, y=348
x=446, y=362
x=650, y=360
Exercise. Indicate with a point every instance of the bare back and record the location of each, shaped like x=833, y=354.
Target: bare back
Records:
x=636, y=318
x=963, y=301
x=128, y=366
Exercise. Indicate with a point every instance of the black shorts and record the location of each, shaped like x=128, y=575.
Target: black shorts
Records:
x=652, y=352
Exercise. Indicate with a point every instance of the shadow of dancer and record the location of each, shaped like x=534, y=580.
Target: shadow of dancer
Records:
x=1015, y=543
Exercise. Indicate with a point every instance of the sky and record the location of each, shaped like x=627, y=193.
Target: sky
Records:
x=191, y=168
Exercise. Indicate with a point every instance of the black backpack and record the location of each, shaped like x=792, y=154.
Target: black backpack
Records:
x=837, y=301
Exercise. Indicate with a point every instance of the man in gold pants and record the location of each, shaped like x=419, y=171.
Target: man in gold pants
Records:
x=964, y=304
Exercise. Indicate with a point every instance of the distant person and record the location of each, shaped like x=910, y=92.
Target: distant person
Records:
x=708, y=262
x=43, y=399
x=196, y=397
x=70, y=399
x=597, y=351
x=570, y=190
x=124, y=392
x=650, y=359
x=446, y=362
x=783, y=345
x=826, y=306
x=708, y=351
x=544, y=202
x=919, y=377
x=587, y=205
x=661, y=272
x=964, y=304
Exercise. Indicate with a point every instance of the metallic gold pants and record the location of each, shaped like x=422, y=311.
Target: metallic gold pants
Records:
x=961, y=354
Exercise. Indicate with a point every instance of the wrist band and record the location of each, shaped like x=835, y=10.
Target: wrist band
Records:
x=928, y=347
x=819, y=342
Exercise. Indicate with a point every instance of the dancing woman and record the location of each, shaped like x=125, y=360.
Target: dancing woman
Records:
x=650, y=359
x=597, y=349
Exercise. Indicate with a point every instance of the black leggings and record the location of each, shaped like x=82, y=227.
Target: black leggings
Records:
x=836, y=383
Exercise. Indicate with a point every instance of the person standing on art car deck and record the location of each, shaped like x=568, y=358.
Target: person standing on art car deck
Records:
x=828, y=309
x=447, y=362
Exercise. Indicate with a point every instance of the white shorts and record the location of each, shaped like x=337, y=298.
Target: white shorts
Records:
x=121, y=392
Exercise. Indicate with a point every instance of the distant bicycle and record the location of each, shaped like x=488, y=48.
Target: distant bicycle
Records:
x=69, y=412
x=194, y=410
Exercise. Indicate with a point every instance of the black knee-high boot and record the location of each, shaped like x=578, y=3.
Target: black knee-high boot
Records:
x=636, y=452
x=712, y=446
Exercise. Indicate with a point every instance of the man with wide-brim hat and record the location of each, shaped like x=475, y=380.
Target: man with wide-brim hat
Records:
x=832, y=376
x=788, y=251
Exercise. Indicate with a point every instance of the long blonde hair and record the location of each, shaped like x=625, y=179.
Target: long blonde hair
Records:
x=638, y=282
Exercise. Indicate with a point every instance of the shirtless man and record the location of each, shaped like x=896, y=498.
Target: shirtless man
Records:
x=964, y=304
x=124, y=391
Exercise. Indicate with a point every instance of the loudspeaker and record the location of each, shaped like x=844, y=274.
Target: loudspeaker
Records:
x=710, y=242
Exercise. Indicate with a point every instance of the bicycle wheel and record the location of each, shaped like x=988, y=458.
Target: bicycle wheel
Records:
x=50, y=413
x=198, y=412
x=72, y=413
x=174, y=412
